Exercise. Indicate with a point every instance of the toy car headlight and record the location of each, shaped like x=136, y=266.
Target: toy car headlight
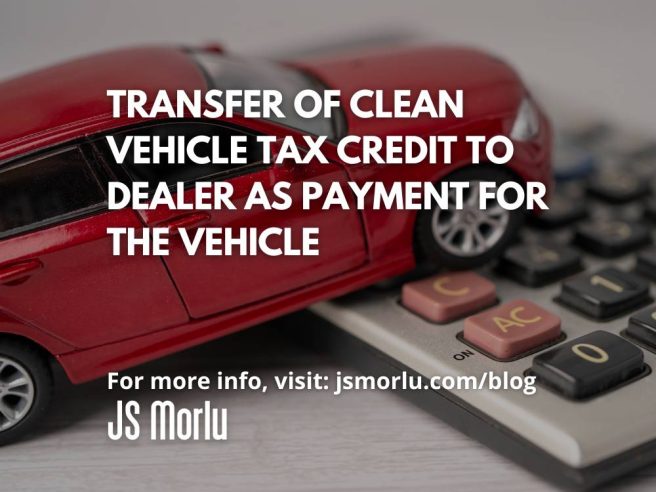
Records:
x=527, y=121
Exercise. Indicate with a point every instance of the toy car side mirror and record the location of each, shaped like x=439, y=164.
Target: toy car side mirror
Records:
x=214, y=47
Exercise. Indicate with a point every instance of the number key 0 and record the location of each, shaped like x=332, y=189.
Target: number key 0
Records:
x=588, y=365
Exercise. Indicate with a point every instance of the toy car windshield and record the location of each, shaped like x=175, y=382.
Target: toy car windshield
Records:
x=225, y=73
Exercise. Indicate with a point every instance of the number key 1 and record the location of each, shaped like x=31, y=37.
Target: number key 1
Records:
x=604, y=294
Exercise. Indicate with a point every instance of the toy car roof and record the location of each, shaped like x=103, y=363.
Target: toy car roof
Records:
x=70, y=99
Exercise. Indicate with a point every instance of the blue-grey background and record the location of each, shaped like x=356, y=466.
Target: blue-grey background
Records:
x=597, y=53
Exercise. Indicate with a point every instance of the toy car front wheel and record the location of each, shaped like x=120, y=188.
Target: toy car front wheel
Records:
x=469, y=237
x=25, y=389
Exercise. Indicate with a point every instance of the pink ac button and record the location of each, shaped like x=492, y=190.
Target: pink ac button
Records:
x=512, y=329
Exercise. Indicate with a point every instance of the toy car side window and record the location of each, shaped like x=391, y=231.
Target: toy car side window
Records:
x=50, y=188
x=169, y=171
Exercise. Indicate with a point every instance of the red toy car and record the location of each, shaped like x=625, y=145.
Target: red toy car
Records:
x=65, y=298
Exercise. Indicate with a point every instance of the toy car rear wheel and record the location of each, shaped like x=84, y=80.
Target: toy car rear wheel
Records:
x=470, y=237
x=26, y=385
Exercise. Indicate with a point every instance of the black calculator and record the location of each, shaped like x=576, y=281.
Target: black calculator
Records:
x=576, y=291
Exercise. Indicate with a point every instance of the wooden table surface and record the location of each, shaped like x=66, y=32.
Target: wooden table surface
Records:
x=281, y=440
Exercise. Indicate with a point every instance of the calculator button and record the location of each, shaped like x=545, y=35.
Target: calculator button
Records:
x=536, y=264
x=592, y=135
x=644, y=152
x=511, y=329
x=572, y=162
x=590, y=364
x=445, y=297
x=617, y=187
x=650, y=209
x=606, y=293
x=611, y=238
x=646, y=263
x=562, y=211
x=642, y=326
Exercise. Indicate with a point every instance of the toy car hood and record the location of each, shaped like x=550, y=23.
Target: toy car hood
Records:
x=490, y=87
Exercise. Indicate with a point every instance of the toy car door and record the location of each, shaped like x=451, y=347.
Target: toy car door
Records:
x=211, y=284
x=57, y=271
